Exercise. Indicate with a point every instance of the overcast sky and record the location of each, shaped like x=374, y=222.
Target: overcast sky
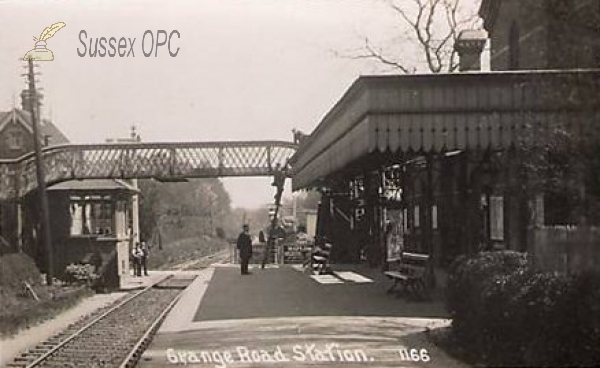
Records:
x=246, y=69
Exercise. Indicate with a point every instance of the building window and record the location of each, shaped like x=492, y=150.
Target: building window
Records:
x=497, y=218
x=417, y=217
x=92, y=217
x=14, y=139
x=513, y=47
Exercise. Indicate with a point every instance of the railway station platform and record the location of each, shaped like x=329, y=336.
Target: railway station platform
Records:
x=284, y=317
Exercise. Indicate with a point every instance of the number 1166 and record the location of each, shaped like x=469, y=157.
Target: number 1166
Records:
x=414, y=355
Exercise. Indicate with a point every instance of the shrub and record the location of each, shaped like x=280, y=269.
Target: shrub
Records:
x=17, y=268
x=467, y=280
x=80, y=274
x=523, y=318
x=581, y=322
x=509, y=315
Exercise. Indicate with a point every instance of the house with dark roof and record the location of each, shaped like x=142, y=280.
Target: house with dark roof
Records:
x=16, y=140
x=16, y=133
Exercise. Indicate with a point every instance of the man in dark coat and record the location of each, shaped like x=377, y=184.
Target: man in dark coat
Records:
x=244, y=246
x=136, y=257
x=144, y=258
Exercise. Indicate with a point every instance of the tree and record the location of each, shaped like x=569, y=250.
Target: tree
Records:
x=257, y=218
x=183, y=209
x=431, y=27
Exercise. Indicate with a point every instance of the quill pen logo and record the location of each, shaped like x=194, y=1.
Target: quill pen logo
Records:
x=40, y=52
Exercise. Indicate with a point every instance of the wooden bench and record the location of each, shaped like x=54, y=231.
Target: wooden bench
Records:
x=319, y=259
x=410, y=271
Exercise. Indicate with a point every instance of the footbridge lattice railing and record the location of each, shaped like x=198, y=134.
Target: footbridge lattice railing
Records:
x=145, y=160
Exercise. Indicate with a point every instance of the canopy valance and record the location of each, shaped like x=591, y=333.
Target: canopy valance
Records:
x=436, y=113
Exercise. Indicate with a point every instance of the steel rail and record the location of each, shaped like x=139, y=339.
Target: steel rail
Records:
x=51, y=349
x=77, y=333
x=131, y=358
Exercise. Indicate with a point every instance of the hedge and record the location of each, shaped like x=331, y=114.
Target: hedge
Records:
x=507, y=314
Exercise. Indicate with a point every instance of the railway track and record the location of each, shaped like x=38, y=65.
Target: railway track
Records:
x=113, y=336
x=203, y=262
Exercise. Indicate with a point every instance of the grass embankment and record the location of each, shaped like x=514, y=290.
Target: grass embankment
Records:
x=18, y=308
x=183, y=250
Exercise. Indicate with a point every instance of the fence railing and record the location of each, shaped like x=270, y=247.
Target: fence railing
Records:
x=566, y=248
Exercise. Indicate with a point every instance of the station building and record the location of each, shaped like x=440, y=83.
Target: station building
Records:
x=450, y=164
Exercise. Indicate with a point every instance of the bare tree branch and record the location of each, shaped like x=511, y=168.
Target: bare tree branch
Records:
x=371, y=53
x=432, y=26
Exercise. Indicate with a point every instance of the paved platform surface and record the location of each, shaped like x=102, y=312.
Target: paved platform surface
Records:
x=282, y=317
x=287, y=292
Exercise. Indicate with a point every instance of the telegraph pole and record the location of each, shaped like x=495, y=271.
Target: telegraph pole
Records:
x=39, y=170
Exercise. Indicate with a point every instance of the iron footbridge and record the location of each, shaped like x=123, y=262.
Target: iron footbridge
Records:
x=162, y=161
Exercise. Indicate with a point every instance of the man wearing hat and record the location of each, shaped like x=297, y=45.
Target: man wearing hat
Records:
x=144, y=258
x=244, y=246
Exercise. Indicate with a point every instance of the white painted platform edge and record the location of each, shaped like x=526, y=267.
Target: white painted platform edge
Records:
x=183, y=313
x=353, y=276
x=326, y=279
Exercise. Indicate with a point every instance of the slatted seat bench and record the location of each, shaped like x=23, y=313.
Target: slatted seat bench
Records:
x=410, y=272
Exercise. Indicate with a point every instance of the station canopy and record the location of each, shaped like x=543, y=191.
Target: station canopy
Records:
x=410, y=115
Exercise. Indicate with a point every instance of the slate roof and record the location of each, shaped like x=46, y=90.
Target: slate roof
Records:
x=47, y=128
x=93, y=185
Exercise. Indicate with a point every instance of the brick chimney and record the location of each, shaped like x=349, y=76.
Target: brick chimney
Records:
x=469, y=46
x=27, y=101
